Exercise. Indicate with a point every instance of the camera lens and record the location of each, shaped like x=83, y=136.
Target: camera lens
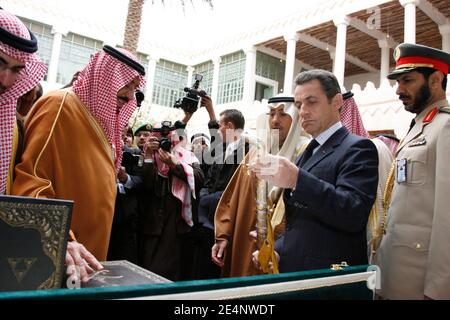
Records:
x=165, y=144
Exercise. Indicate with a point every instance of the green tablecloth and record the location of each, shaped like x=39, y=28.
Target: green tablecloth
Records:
x=354, y=289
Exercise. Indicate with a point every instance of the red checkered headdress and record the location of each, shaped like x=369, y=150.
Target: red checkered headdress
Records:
x=13, y=43
x=350, y=116
x=97, y=87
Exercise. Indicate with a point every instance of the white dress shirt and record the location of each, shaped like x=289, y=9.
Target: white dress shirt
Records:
x=324, y=136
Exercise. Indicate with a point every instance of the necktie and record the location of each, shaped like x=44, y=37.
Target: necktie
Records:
x=308, y=151
x=413, y=122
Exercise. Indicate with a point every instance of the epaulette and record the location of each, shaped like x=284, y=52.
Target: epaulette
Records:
x=430, y=115
x=444, y=109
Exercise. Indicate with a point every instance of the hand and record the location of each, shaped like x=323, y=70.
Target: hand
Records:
x=207, y=102
x=168, y=158
x=218, y=252
x=278, y=170
x=254, y=235
x=79, y=259
x=150, y=147
x=122, y=175
x=255, y=260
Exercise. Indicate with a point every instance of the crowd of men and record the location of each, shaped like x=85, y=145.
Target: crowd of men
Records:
x=188, y=212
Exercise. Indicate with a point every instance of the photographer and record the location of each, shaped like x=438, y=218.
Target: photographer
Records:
x=200, y=146
x=219, y=163
x=171, y=178
x=226, y=151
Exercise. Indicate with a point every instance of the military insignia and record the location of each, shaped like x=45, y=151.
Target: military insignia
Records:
x=420, y=141
x=148, y=127
x=396, y=53
x=430, y=115
x=401, y=170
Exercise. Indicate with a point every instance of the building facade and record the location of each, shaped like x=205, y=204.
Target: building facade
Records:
x=352, y=38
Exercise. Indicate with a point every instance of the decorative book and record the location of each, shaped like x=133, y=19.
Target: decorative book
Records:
x=122, y=273
x=33, y=241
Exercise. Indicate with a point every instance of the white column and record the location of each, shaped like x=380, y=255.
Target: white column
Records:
x=58, y=33
x=190, y=71
x=215, y=81
x=332, y=54
x=291, y=40
x=384, y=64
x=249, y=80
x=410, y=20
x=152, y=61
x=341, y=22
x=445, y=33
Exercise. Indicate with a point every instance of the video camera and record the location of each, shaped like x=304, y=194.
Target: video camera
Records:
x=164, y=141
x=190, y=102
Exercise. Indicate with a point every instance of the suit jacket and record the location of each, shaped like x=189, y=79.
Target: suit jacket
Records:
x=123, y=239
x=219, y=176
x=222, y=170
x=326, y=214
x=414, y=255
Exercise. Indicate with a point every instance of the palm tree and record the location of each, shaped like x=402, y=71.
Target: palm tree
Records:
x=133, y=23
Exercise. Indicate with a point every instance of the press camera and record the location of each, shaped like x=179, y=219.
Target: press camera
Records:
x=191, y=101
x=164, y=142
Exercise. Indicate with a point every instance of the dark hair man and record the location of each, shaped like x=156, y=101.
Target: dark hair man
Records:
x=413, y=255
x=332, y=187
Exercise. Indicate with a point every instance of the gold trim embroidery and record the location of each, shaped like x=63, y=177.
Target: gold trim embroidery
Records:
x=414, y=65
x=45, y=146
x=51, y=228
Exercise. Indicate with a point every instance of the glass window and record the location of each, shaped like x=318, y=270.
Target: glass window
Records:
x=75, y=53
x=271, y=68
x=170, y=80
x=231, y=77
x=143, y=59
x=43, y=34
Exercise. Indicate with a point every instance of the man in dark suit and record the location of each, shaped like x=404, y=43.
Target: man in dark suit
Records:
x=226, y=160
x=227, y=157
x=332, y=187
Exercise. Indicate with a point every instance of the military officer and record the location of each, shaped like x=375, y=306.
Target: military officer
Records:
x=414, y=254
x=142, y=135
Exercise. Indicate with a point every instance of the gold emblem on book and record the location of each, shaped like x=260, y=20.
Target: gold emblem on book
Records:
x=21, y=266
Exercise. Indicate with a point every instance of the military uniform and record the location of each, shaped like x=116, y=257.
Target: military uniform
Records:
x=145, y=127
x=414, y=254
